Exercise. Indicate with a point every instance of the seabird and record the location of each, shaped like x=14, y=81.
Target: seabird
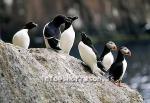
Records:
x=21, y=38
x=118, y=68
x=51, y=32
x=89, y=55
x=68, y=36
x=107, y=57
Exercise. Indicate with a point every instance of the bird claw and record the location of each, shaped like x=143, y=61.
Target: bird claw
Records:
x=102, y=73
x=97, y=72
x=119, y=84
x=83, y=64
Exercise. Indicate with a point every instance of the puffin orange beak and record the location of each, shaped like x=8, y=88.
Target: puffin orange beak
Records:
x=130, y=54
x=114, y=48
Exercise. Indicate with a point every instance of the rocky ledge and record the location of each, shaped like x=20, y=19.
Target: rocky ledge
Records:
x=40, y=75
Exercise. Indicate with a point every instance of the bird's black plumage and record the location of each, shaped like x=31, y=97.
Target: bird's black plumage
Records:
x=86, y=40
x=105, y=51
x=29, y=25
x=69, y=22
x=116, y=68
x=52, y=32
x=116, y=71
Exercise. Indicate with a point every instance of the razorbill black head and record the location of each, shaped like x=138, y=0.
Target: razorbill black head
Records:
x=21, y=38
x=85, y=39
x=118, y=68
x=59, y=19
x=30, y=25
x=89, y=54
x=69, y=21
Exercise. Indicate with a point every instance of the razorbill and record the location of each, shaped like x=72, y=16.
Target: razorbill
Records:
x=51, y=32
x=89, y=54
x=68, y=36
x=21, y=38
x=118, y=68
x=107, y=57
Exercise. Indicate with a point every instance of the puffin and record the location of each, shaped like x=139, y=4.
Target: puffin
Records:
x=21, y=38
x=68, y=36
x=52, y=33
x=107, y=57
x=118, y=68
x=89, y=55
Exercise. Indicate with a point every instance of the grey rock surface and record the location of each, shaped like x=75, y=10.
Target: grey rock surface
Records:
x=45, y=76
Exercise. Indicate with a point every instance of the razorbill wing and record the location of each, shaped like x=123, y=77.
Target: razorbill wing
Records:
x=89, y=54
x=118, y=68
x=68, y=36
x=107, y=57
x=51, y=32
x=21, y=38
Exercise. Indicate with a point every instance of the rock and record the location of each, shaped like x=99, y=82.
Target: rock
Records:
x=40, y=75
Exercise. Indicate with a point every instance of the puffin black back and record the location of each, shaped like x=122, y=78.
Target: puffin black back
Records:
x=105, y=51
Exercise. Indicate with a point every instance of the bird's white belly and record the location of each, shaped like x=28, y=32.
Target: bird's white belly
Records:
x=21, y=40
x=67, y=40
x=108, y=60
x=124, y=68
x=46, y=43
x=87, y=54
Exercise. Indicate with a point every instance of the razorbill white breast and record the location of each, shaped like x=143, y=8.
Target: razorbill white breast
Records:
x=107, y=57
x=21, y=38
x=89, y=54
x=118, y=68
x=51, y=32
x=68, y=36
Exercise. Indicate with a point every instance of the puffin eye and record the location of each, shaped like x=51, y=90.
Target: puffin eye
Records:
x=111, y=43
x=125, y=49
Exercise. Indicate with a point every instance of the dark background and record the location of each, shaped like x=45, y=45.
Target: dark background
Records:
x=126, y=22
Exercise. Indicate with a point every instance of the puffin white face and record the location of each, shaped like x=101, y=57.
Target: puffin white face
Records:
x=111, y=45
x=125, y=51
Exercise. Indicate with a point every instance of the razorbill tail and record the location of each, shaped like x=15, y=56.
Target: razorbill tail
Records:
x=107, y=57
x=89, y=54
x=21, y=38
x=118, y=68
x=51, y=32
x=68, y=36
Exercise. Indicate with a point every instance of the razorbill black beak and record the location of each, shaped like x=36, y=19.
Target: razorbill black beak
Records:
x=74, y=18
x=30, y=25
x=67, y=19
x=36, y=25
x=83, y=35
